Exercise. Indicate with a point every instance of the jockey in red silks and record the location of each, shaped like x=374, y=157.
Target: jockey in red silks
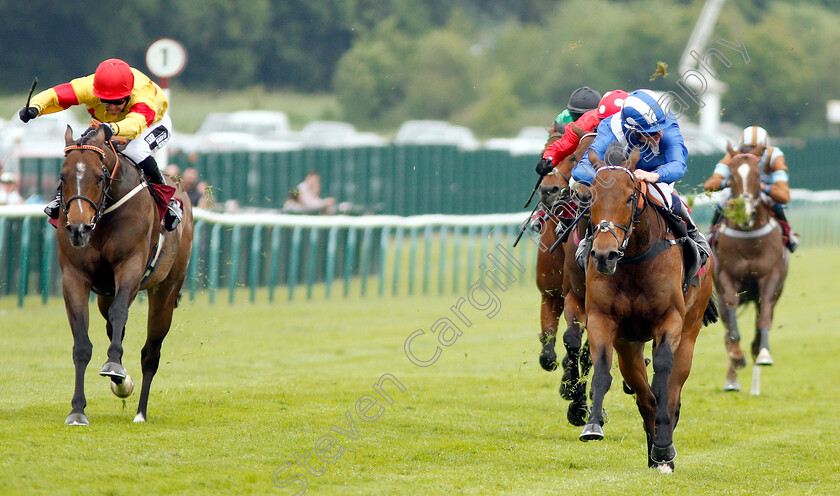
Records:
x=129, y=105
x=588, y=122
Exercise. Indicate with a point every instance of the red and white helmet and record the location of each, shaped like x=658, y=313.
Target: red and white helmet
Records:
x=611, y=103
x=754, y=136
x=113, y=80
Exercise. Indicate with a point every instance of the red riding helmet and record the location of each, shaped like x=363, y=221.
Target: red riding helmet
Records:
x=611, y=103
x=113, y=80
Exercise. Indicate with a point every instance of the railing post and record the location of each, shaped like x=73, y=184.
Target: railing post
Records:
x=23, y=282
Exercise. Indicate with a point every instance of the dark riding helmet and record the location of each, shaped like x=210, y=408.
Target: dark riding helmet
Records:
x=583, y=100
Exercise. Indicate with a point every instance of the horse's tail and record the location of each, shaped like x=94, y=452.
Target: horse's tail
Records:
x=710, y=316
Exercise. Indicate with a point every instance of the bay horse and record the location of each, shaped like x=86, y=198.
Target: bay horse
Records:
x=634, y=294
x=561, y=284
x=107, y=230
x=752, y=262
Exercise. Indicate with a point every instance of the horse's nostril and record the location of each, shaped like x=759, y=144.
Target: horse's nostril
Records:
x=613, y=255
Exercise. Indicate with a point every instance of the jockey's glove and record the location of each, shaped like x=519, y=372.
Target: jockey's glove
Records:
x=26, y=114
x=544, y=167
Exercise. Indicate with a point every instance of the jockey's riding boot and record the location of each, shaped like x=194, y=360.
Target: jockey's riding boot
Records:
x=792, y=241
x=695, y=234
x=153, y=174
x=53, y=206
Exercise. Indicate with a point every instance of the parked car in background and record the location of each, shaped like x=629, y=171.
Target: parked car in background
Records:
x=243, y=130
x=336, y=134
x=700, y=142
x=430, y=132
x=40, y=137
x=530, y=141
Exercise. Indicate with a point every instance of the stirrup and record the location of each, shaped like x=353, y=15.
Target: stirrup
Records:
x=792, y=242
x=173, y=215
x=52, y=208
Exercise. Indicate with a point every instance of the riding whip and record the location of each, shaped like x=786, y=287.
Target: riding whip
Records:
x=32, y=89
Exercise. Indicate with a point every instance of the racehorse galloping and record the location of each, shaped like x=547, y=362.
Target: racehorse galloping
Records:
x=752, y=262
x=561, y=284
x=634, y=294
x=107, y=229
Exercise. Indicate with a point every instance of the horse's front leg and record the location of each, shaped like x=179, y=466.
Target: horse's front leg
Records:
x=127, y=282
x=76, y=294
x=573, y=387
x=731, y=338
x=550, y=310
x=770, y=289
x=667, y=339
x=601, y=330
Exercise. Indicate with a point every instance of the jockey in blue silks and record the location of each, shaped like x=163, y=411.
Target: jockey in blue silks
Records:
x=642, y=123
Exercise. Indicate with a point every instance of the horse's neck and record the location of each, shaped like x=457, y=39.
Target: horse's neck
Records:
x=126, y=177
x=648, y=231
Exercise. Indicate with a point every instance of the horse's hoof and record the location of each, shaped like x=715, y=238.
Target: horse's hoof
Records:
x=548, y=362
x=139, y=418
x=124, y=388
x=113, y=370
x=665, y=468
x=663, y=455
x=764, y=357
x=577, y=414
x=731, y=385
x=77, y=419
x=591, y=432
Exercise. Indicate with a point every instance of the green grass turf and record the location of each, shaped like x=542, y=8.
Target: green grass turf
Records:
x=242, y=388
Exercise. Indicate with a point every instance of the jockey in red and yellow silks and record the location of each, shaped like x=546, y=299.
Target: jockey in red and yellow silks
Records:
x=129, y=105
x=147, y=103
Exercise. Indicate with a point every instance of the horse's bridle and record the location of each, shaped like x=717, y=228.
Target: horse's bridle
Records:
x=609, y=226
x=749, y=197
x=106, y=188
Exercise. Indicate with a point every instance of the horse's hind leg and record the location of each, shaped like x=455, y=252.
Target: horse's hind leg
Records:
x=76, y=294
x=162, y=300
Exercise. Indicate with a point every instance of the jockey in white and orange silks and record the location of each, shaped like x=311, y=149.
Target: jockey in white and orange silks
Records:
x=775, y=187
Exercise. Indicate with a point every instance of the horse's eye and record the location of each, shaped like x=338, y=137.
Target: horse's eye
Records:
x=100, y=179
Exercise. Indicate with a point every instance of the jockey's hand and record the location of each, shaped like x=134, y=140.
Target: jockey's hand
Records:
x=544, y=167
x=93, y=129
x=643, y=175
x=26, y=114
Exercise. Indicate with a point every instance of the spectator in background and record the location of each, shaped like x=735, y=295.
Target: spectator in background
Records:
x=173, y=170
x=9, y=194
x=309, y=196
x=195, y=189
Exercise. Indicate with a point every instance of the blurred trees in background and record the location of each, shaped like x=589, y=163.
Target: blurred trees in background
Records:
x=483, y=63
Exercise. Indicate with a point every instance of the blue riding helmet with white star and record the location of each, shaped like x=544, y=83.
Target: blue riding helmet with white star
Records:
x=641, y=112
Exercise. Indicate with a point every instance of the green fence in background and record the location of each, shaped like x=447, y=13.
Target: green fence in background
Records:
x=333, y=256
x=414, y=180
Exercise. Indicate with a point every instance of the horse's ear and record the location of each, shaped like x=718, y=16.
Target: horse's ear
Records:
x=634, y=159
x=68, y=136
x=99, y=137
x=593, y=158
x=580, y=132
x=731, y=150
x=758, y=151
